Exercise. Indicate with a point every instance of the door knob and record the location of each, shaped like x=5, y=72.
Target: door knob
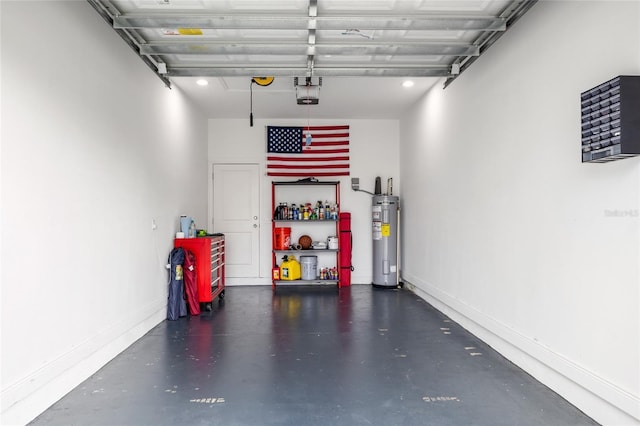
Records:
x=255, y=218
x=255, y=225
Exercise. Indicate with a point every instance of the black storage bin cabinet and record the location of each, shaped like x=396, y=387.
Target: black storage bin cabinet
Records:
x=611, y=120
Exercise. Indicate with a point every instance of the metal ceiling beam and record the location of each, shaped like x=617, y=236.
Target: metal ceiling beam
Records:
x=343, y=49
x=280, y=71
x=312, y=25
x=283, y=22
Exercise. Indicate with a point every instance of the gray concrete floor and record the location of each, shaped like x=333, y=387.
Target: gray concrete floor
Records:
x=312, y=356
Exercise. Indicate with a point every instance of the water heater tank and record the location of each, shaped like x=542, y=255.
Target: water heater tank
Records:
x=384, y=215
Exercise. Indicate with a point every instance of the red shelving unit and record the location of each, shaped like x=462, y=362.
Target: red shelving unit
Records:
x=316, y=227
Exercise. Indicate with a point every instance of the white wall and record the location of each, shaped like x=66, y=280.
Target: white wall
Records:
x=94, y=148
x=536, y=253
x=374, y=152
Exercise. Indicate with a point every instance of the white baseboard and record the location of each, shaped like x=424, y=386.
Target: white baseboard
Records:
x=23, y=401
x=232, y=282
x=600, y=399
x=361, y=279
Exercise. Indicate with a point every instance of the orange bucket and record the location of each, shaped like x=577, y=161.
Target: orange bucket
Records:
x=282, y=238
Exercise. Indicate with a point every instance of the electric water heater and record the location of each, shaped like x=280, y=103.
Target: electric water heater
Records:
x=384, y=215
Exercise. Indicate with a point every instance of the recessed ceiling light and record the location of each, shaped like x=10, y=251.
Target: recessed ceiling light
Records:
x=407, y=83
x=202, y=82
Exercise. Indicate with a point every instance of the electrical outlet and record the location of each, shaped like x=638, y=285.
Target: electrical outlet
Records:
x=154, y=226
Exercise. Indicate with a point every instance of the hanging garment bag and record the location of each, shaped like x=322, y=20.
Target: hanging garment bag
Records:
x=345, y=242
x=176, y=306
x=191, y=283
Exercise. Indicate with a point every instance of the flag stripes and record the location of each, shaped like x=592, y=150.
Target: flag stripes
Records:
x=288, y=160
x=315, y=166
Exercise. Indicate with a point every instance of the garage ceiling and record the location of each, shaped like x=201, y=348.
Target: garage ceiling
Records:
x=309, y=39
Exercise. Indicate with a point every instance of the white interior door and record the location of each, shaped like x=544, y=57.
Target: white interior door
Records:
x=236, y=214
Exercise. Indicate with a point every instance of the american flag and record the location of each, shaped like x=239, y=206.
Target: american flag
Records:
x=291, y=153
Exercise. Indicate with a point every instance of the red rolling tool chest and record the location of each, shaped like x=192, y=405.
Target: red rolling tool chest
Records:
x=209, y=253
